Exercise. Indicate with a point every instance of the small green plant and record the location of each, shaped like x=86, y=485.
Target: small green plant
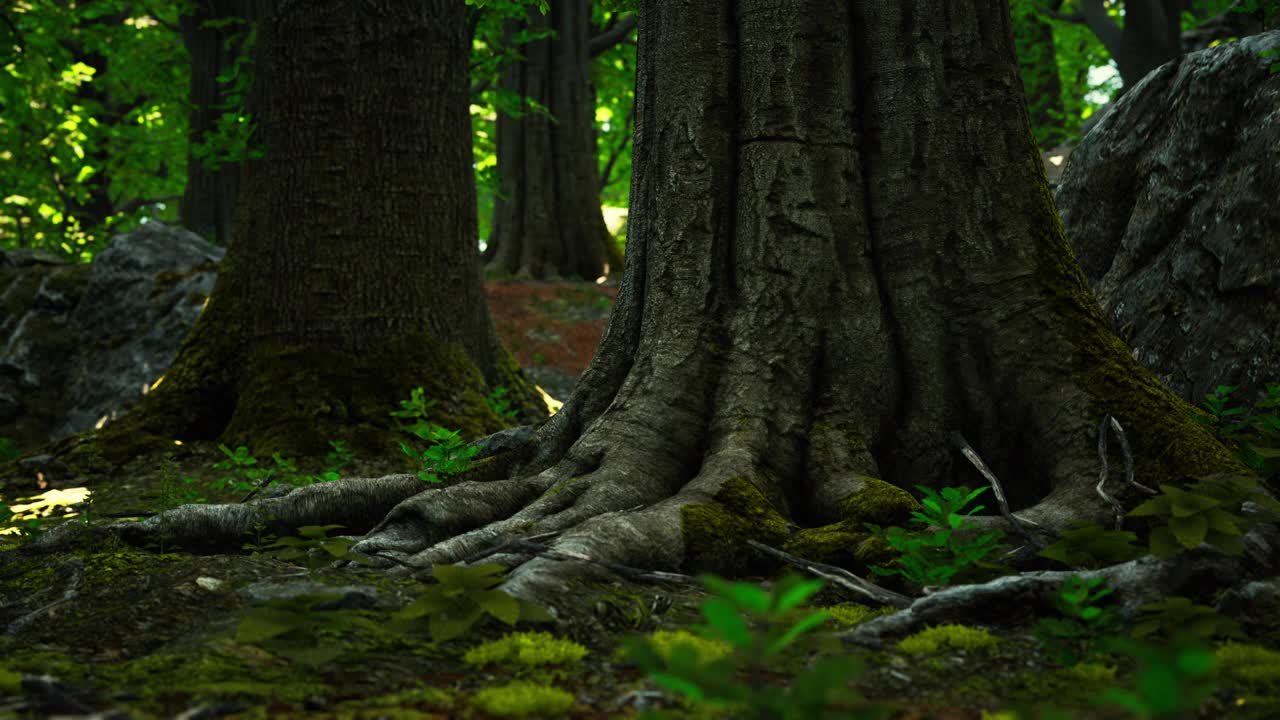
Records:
x=446, y=454
x=338, y=457
x=247, y=476
x=500, y=405
x=1209, y=510
x=1254, y=434
x=1177, y=618
x=462, y=596
x=1074, y=637
x=296, y=628
x=1172, y=683
x=1089, y=545
x=417, y=409
x=175, y=491
x=310, y=538
x=683, y=669
x=936, y=558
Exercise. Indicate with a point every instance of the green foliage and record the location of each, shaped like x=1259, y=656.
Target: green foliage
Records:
x=1254, y=434
x=1177, y=618
x=1075, y=635
x=297, y=628
x=92, y=122
x=311, y=545
x=1207, y=511
x=463, y=595
x=175, y=491
x=228, y=141
x=8, y=450
x=1173, y=681
x=246, y=474
x=1089, y=545
x=712, y=682
x=417, y=409
x=500, y=405
x=446, y=454
x=936, y=558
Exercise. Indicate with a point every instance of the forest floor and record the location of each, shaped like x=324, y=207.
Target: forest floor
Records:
x=154, y=633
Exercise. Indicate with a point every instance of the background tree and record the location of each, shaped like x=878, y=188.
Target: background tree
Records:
x=217, y=35
x=546, y=214
x=353, y=276
x=91, y=121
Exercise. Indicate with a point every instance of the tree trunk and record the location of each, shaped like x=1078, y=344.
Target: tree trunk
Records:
x=1151, y=35
x=208, y=203
x=843, y=250
x=1037, y=56
x=353, y=275
x=547, y=221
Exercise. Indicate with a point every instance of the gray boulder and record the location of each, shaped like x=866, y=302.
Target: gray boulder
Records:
x=1170, y=204
x=80, y=342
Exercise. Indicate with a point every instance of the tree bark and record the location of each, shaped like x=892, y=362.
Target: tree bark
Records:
x=208, y=203
x=353, y=275
x=843, y=250
x=547, y=221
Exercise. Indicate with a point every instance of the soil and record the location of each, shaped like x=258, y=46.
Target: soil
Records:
x=552, y=327
x=155, y=633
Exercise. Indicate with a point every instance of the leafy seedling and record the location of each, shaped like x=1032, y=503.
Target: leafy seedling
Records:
x=446, y=455
x=462, y=596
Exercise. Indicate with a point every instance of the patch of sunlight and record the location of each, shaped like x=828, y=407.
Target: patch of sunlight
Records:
x=553, y=405
x=614, y=217
x=45, y=504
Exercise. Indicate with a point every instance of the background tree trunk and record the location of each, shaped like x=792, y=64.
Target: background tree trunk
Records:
x=353, y=276
x=547, y=222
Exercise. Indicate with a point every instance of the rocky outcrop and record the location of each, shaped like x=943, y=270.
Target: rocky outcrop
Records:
x=1170, y=204
x=81, y=342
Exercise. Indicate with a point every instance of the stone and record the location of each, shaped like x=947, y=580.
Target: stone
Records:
x=1169, y=204
x=82, y=341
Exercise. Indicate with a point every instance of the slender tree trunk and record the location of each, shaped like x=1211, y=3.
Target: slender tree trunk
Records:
x=547, y=222
x=1037, y=57
x=208, y=204
x=353, y=275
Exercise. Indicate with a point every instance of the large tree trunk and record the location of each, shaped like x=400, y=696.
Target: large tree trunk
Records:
x=353, y=276
x=208, y=203
x=843, y=249
x=547, y=221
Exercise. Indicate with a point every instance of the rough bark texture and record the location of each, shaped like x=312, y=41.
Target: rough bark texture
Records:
x=208, y=203
x=843, y=249
x=1170, y=206
x=548, y=222
x=353, y=276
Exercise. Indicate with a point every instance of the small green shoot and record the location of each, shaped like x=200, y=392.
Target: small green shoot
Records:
x=446, y=455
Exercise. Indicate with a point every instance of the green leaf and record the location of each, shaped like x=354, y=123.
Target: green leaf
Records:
x=500, y=605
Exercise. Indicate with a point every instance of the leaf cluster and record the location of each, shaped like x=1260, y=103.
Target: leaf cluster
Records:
x=936, y=558
x=462, y=596
x=714, y=682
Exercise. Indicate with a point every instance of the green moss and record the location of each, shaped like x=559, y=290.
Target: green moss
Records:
x=847, y=542
x=664, y=641
x=1248, y=664
x=935, y=638
x=853, y=613
x=523, y=700
x=1168, y=446
x=715, y=534
x=526, y=648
